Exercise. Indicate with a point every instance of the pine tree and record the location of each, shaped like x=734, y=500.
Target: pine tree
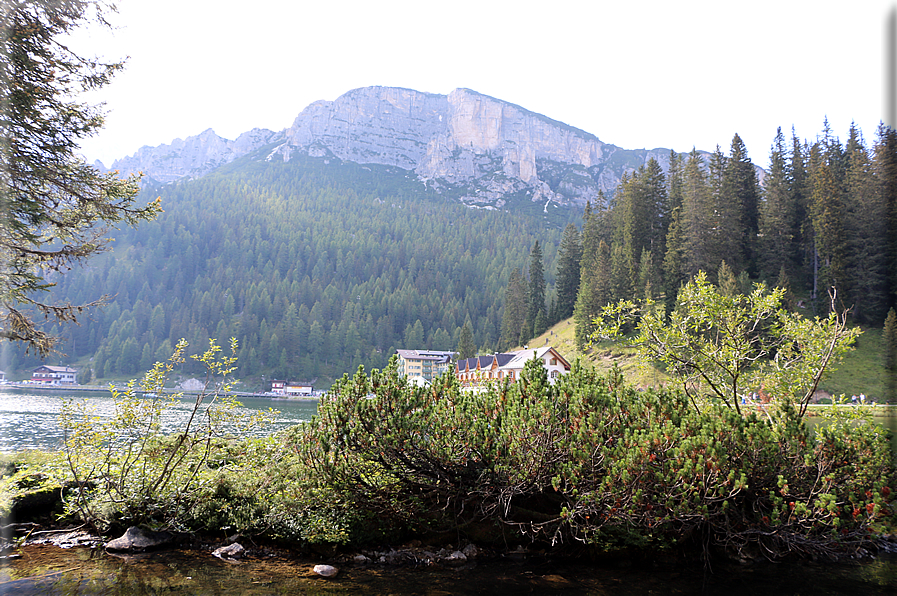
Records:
x=672, y=260
x=568, y=272
x=466, y=346
x=889, y=334
x=536, y=303
x=865, y=226
x=727, y=282
x=886, y=170
x=697, y=218
x=827, y=213
x=741, y=193
x=54, y=207
x=778, y=217
x=515, y=309
x=594, y=276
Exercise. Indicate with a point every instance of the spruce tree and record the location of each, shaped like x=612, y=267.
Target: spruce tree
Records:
x=886, y=170
x=54, y=207
x=827, y=213
x=889, y=334
x=536, y=303
x=697, y=218
x=865, y=226
x=741, y=192
x=515, y=310
x=568, y=272
x=778, y=215
x=467, y=348
x=672, y=260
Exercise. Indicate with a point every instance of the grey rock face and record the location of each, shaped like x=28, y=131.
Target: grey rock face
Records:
x=465, y=138
x=192, y=157
x=487, y=148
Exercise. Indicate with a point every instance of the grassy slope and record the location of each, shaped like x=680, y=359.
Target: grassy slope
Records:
x=862, y=371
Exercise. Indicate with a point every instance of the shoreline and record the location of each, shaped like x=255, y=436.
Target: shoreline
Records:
x=167, y=391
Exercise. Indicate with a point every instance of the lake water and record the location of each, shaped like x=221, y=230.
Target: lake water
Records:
x=51, y=570
x=29, y=418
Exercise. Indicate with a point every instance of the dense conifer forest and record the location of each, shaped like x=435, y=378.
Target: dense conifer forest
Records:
x=314, y=268
x=319, y=267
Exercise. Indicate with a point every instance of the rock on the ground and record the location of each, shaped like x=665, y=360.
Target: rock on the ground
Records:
x=138, y=540
x=455, y=558
x=470, y=551
x=325, y=570
x=232, y=551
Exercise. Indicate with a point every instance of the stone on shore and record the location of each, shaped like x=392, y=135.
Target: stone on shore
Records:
x=327, y=571
x=231, y=552
x=136, y=540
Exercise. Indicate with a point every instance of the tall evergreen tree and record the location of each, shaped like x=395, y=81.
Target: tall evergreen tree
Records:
x=536, y=303
x=568, y=272
x=467, y=348
x=778, y=216
x=865, y=226
x=697, y=218
x=515, y=310
x=886, y=169
x=741, y=192
x=675, y=182
x=672, y=260
x=889, y=334
x=828, y=213
x=594, y=272
x=799, y=181
x=54, y=207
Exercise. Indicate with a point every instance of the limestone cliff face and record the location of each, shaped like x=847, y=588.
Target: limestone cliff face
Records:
x=192, y=157
x=488, y=147
x=482, y=148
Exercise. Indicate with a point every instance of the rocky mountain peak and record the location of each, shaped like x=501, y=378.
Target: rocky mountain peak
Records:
x=483, y=148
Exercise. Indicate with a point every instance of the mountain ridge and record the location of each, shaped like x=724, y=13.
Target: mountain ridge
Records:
x=478, y=147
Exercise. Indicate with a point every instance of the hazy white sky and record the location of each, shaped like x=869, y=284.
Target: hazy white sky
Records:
x=638, y=74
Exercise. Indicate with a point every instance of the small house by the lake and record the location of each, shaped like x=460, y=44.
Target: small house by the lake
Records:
x=54, y=375
x=293, y=389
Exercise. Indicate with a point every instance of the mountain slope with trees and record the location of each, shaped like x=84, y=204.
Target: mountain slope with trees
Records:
x=315, y=268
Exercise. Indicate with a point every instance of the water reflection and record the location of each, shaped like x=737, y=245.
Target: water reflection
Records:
x=30, y=419
x=50, y=570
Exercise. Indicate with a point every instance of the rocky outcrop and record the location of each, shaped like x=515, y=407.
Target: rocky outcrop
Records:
x=481, y=148
x=467, y=140
x=192, y=157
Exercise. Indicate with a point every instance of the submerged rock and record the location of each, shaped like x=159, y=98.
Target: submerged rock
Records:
x=136, y=540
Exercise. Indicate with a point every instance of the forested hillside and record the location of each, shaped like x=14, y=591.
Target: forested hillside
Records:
x=315, y=268
x=824, y=218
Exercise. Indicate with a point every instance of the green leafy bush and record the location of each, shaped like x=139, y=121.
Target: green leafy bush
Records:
x=593, y=461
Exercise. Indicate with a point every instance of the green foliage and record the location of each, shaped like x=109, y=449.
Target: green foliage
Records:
x=126, y=471
x=589, y=459
x=568, y=272
x=333, y=259
x=466, y=347
x=54, y=208
x=725, y=345
x=889, y=337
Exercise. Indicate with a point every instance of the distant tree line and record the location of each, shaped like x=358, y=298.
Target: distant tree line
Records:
x=824, y=217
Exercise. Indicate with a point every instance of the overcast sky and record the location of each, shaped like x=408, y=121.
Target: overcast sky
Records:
x=636, y=74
